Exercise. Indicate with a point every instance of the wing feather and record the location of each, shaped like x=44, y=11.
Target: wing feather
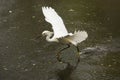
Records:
x=56, y=21
x=77, y=37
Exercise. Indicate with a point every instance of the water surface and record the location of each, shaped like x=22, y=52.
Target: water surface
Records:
x=23, y=58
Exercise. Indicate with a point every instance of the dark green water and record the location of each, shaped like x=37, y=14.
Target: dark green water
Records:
x=23, y=58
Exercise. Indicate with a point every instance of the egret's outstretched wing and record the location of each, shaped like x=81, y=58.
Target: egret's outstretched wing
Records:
x=77, y=37
x=56, y=21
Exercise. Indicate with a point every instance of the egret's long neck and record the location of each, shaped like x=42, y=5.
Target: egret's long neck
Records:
x=49, y=39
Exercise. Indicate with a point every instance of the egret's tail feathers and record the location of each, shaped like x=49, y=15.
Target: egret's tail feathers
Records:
x=78, y=37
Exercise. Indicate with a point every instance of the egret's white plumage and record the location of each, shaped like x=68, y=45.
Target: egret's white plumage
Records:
x=77, y=37
x=60, y=33
x=55, y=20
x=59, y=30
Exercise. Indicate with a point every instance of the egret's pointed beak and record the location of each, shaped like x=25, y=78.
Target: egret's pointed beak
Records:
x=37, y=37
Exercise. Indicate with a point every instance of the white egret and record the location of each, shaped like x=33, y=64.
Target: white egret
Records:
x=60, y=33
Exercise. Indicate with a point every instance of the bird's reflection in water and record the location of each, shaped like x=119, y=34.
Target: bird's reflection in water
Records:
x=65, y=74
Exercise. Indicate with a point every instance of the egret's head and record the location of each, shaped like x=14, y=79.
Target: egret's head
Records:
x=46, y=33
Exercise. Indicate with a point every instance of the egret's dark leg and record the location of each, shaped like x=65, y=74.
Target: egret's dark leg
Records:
x=78, y=53
x=58, y=54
